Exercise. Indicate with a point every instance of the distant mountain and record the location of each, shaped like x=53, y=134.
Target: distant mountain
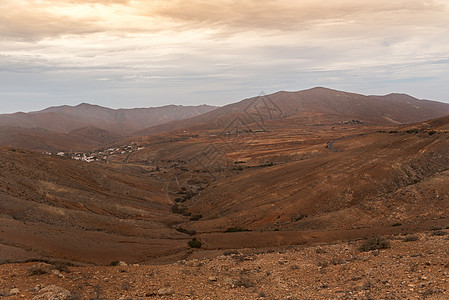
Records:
x=62, y=119
x=314, y=106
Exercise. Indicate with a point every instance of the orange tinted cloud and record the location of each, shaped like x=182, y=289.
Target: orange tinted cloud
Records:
x=34, y=18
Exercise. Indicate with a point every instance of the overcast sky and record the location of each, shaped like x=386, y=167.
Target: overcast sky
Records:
x=141, y=53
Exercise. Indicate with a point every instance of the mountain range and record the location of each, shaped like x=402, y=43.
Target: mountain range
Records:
x=290, y=168
x=314, y=106
x=88, y=127
x=85, y=126
x=65, y=118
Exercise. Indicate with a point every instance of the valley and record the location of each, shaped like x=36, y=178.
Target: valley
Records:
x=265, y=180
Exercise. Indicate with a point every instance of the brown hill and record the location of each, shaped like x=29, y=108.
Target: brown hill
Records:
x=101, y=136
x=286, y=179
x=56, y=207
x=41, y=140
x=63, y=119
x=376, y=179
x=317, y=105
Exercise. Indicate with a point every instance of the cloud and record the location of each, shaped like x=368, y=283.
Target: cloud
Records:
x=195, y=48
x=289, y=15
x=32, y=19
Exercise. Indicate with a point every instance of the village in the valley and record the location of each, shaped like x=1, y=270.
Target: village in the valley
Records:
x=117, y=153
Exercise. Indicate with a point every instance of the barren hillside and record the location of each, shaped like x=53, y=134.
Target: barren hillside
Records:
x=317, y=105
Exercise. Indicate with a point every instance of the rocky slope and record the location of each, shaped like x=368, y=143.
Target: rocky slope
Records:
x=97, y=213
x=413, y=267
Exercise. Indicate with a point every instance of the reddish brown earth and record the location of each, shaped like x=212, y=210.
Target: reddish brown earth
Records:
x=279, y=182
x=283, y=184
x=414, y=267
x=55, y=207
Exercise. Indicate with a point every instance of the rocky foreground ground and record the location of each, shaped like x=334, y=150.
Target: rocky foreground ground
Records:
x=415, y=266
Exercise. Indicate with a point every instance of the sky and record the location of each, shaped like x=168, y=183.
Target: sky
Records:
x=141, y=53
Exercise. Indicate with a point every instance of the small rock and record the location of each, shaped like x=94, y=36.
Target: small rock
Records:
x=282, y=261
x=212, y=278
x=53, y=292
x=165, y=292
x=122, y=264
x=14, y=291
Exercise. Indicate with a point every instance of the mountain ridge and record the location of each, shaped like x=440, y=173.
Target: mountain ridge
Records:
x=323, y=104
x=66, y=118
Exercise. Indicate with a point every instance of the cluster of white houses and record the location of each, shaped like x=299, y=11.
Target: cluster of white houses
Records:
x=101, y=155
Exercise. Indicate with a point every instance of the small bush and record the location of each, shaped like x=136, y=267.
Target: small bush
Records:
x=244, y=282
x=336, y=261
x=412, y=131
x=195, y=217
x=183, y=230
x=299, y=218
x=374, y=243
x=179, y=209
x=194, y=243
x=411, y=238
x=439, y=233
x=322, y=264
x=235, y=229
x=37, y=270
x=231, y=252
x=61, y=266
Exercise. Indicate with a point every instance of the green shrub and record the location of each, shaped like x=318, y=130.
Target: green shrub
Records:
x=194, y=243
